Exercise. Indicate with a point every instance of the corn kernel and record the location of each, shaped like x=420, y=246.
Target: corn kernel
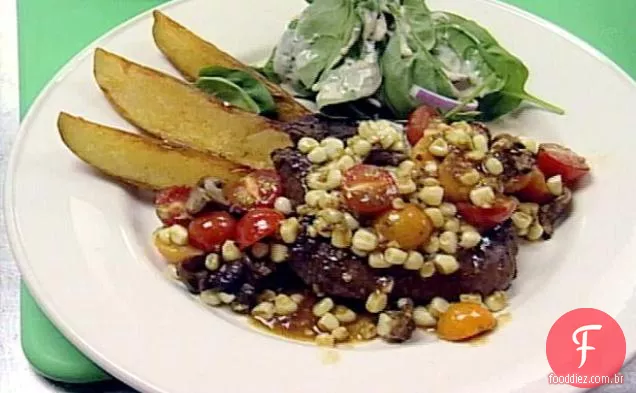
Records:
x=358, y=252
x=264, y=310
x=367, y=331
x=340, y=333
x=210, y=297
x=212, y=262
x=289, y=229
x=428, y=269
x=521, y=220
x=470, y=298
x=470, y=178
x=365, y=240
x=405, y=168
x=283, y=205
x=345, y=162
x=398, y=146
x=332, y=216
x=312, y=197
x=431, y=195
x=555, y=185
x=278, y=253
x=438, y=306
x=226, y=298
x=469, y=239
x=230, y=251
x=178, y=235
x=333, y=146
x=423, y=318
x=325, y=340
x=317, y=155
x=406, y=186
x=322, y=307
x=438, y=148
x=344, y=314
x=497, y=301
x=414, y=261
x=529, y=144
x=430, y=181
x=535, y=232
x=430, y=168
x=284, y=305
x=376, y=260
x=448, y=209
x=452, y=225
x=395, y=256
x=529, y=208
x=436, y=216
x=351, y=221
x=480, y=143
x=482, y=196
x=433, y=245
x=446, y=264
x=448, y=242
x=163, y=235
x=328, y=322
x=457, y=137
x=297, y=298
x=494, y=166
x=305, y=144
x=376, y=302
x=361, y=147
x=341, y=237
x=385, y=325
x=329, y=200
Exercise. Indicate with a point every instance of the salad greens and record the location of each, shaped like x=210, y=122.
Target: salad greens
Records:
x=238, y=88
x=341, y=52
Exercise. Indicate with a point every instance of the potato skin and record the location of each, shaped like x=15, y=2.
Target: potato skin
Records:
x=138, y=160
x=189, y=53
x=182, y=115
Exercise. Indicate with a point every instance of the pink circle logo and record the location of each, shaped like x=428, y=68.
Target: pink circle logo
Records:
x=585, y=348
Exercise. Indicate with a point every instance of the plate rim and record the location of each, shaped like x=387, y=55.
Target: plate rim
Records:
x=11, y=225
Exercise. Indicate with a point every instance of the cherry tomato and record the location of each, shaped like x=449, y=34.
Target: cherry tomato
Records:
x=420, y=154
x=536, y=190
x=517, y=183
x=257, y=189
x=257, y=224
x=465, y=320
x=409, y=227
x=209, y=231
x=486, y=218
x=418, y=122
x=554, y=159
x=368, y=188
x=449, y=171
x=170, y=205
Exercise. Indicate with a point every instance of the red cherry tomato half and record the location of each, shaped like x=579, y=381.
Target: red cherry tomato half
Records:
x=257, y=224
x=369, y=189
x=170, y=205
x=536, y=190
x=257, y=189
x=209, y=231
x=554, y=159
x=485, y=218
x=418, y=122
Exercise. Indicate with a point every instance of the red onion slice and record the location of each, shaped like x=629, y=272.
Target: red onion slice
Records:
x=435, y=100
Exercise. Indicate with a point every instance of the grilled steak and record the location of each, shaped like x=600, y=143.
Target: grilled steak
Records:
x=319, y=127
x=337, y=272
x=551, y=214
x=292, y=166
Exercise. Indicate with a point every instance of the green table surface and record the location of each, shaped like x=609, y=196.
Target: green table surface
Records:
x=52, y=31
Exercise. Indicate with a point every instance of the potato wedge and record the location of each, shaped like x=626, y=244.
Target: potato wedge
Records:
x=181, y=114
x=189, y=53
x=141, y=161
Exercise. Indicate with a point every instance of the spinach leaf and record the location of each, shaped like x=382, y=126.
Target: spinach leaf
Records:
x=400, y=73
x=416, y=18
x=236, y=87
x=328, y=26
x=506, y=66
x=267, y=70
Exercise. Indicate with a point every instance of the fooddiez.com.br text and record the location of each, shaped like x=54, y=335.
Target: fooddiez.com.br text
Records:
x=616, y=379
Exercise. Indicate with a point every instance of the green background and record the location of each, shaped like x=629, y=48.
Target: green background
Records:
x=52, y=31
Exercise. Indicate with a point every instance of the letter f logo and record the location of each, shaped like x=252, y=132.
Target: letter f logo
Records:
x=583, y=344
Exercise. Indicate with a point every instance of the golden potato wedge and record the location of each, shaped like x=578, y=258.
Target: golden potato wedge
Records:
x=181, y=114
x=189, y=53
x=138, y=160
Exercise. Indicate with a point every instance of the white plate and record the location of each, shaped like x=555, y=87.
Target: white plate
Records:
x=82, y=242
